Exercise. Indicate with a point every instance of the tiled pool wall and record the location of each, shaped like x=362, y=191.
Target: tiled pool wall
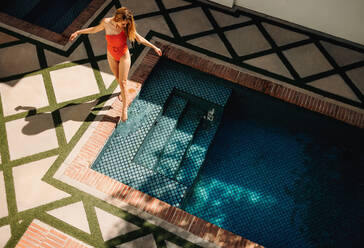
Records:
x=60, y=38
x=80, y=168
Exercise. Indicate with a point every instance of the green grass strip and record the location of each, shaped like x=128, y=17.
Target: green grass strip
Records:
x=4, y=149
x=93, y=221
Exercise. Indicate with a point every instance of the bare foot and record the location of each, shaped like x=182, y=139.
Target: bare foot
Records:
x=124, y=115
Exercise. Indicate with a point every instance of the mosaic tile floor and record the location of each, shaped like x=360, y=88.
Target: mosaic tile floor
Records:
x=50, y=98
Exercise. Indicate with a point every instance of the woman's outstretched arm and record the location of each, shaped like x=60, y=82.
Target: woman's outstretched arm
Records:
x=91, y=30
x=140, y=39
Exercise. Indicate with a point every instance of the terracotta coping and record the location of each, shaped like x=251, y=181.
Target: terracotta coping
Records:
x=47, y=34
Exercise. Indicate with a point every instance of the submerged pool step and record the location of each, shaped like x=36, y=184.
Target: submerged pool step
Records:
x=152, y=147
x=179, y=142
x=195, y=155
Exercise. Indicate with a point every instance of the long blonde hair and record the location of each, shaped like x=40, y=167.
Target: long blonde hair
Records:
x=124, y=14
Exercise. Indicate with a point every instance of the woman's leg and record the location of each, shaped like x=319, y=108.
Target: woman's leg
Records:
x=124, y=66
x=114, y=66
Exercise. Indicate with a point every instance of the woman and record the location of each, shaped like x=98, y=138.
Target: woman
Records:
x=118, y=29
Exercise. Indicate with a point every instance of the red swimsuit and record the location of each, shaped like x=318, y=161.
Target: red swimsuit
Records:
x=116, y=44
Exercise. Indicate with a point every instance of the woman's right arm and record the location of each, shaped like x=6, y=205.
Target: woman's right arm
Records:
x=91, y=30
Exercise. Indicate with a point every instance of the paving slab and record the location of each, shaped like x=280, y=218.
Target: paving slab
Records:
x=195, y=23
x=18, y=59
x=271, y=63
x=112, y=226
x=73, y=117
x=168, y=4
x=5, y=38
x=172, y=245
x=212, y=43
x=20, y=95
x=155, y=23
x=3, y=204
x=73, y=214
x=283, y=36
x=31, y=135
x=30, y=190
x=5, y=235
x=342, y=55
x=145, y=242
x=336, y=85
x=139, y=7
x=247, y=40
x=357, y=76
x=74, y=82
x=106, y=73
x=224, y=20
x=55, y=59
x=307, y=60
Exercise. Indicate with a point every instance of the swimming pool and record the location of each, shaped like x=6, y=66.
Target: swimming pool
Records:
x=274, y=173
x=53, y=15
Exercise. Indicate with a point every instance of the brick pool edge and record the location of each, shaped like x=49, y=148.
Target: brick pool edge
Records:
x=80, y=167
x=59, y=38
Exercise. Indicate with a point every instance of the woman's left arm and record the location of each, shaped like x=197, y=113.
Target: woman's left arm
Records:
x=140, y=39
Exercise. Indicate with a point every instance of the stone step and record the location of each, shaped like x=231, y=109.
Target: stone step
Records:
x=179, y=142
x=195, y=155
x=152, y=147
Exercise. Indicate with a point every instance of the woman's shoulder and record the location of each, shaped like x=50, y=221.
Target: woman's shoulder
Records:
x=106, y=20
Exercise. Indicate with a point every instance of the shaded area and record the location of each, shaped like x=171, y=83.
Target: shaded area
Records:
x=53, y=15
x=282, y=176
x=36, y=125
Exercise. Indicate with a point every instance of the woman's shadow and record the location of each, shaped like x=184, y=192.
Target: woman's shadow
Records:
x=82, y=112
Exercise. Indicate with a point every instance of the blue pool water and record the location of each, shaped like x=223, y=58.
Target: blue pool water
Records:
x=53, y=15
x=269, y=171
x=282, y=176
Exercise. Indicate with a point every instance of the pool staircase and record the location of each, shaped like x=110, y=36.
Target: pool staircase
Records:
x=161, y=148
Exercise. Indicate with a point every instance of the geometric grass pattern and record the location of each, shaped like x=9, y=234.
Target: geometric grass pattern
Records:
x=223, y=25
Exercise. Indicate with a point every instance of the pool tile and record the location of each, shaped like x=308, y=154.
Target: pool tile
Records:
x=18, y=59
x=283, y=36
x=74, y=82
x=224, y=20
x=178, y=143
x=307, y=60
x=55, y=59
x=271, y=63
x=195, y=23
x=212, y=43
x=28, y=183
x=23, y=133
x=336, y=85
x=244, y=46
x=153, y=145
x=19, y=95
x=3, y=205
